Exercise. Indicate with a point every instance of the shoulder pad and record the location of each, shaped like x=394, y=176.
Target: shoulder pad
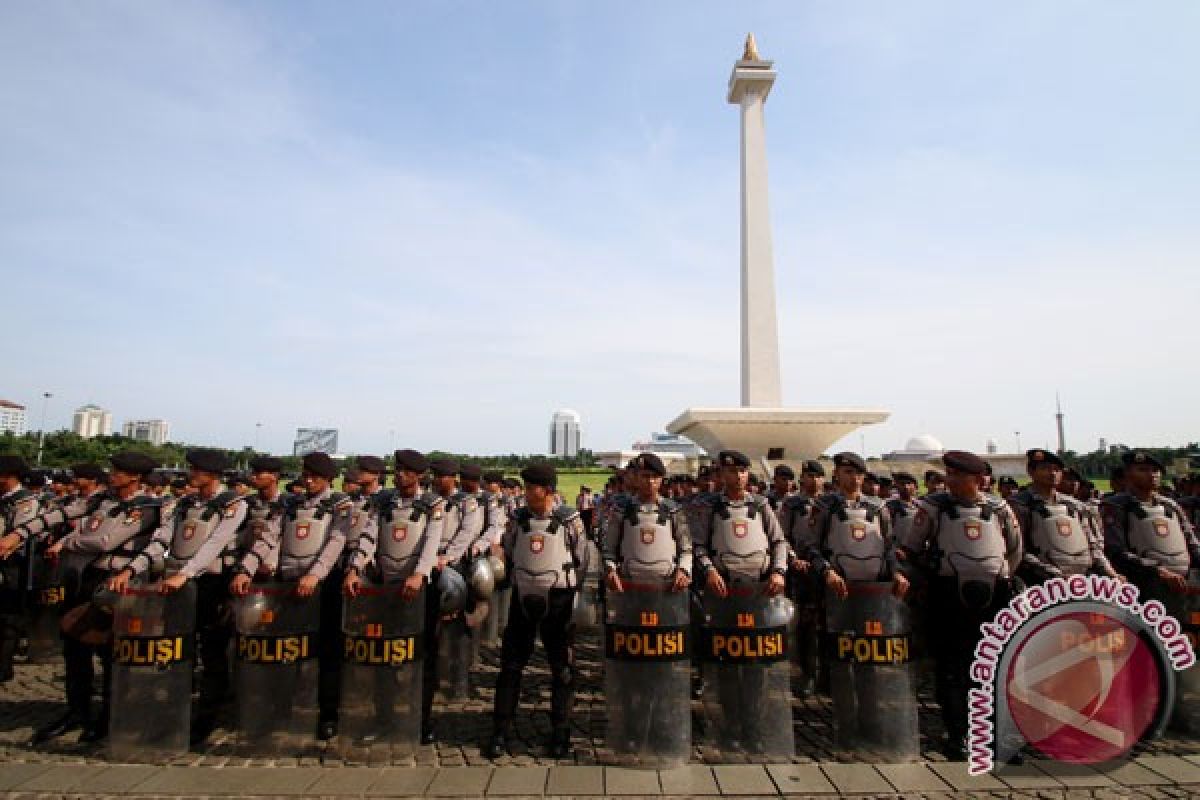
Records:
x=146, y=501
x=430, y=500
x=798, y=500
x=382, y=499
x=1170, y=502
x=341, y=502
x=669, y=505
x=226, y=499
x=874, y=502
x=996, y=502
x=290, y=500
x=565, y=513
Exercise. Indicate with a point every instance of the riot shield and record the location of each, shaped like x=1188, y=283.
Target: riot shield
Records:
x=1185, y=607
x=647, y=676
x=276, y=668
x=380, y=715
x=154, y=639
x=871, y=673
x=47, y=596
x=745, y=646
x=456, y=653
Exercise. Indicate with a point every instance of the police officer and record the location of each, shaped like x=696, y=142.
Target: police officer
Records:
x=1147, y=536
x=971, y=544
x=1008, y=486
x=18, y=505
x=495, y=514
x=1190, y=502
x=667, y=556
x=902, y=508
x=400, y=546
x=783, y=486
x=794, y=518
x=1059, y=538
x=546, y=552
x=934, y=482
x=737, y=541
x=306, y=544
x=368, y=472
x=190, y=544
x=263, y=508
x=111, y=531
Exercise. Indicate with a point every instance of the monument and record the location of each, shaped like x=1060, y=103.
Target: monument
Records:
x=761, y=427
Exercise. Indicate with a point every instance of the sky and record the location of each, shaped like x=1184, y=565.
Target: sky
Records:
x=432, y=224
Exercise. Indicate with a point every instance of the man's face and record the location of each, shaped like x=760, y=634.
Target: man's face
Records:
x=1067, y=484
x=811, y=483
x=908, y=489
x=961, y=484
x=445, y=483
x=538, y=496
x=936, y=484
x=119, y=480
x=493, y=487
x=313, y=483
x=408, y=479
x=1046, y=476
x=650, y=482
x=368, y=481
x=470, y=485
x=201, y=480
x=264, y=481
x=1143, y=477
x=706, y=484
x=735, y=479
x=782, y=484
x=84, y=486
x=351, y=487
x=848, y=479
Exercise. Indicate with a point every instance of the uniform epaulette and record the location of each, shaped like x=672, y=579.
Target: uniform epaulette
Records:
x=565, y=513
x=341, y=502
x=145, y=501
x=226, y=499
x=670, y=506
x=429, y=500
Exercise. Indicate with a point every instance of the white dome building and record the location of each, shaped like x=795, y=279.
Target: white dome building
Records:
x=924, y=447
x=566, y=434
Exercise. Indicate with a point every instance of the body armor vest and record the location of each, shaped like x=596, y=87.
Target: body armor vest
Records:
x=647, y=546
x=972, y=551
x=739, y=546
x=903, y=516
x=451, y=521
x=116, y=518
x=305, y=531
x=401, y=531
x=542, y=556
x=192, y=530
x=1058, y=536
x=1155, y=534
x=258, y=513
x=854, y=543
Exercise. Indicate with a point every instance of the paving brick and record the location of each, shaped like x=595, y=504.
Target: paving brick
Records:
x=1133, y=774
x=855, y=778
x=1027, y=776
x=345, y=780
x=120, y=779
x=743, y=779
x=803, y=779
x=401, y=781
x=955, y=774
x=287, y=780
x=1074, y=776
x=913, y=778
x=572, y=781
x=63, y=778
x=690, y=780
x=197, y=781
x=627, y=781
x=12, y=775
x=1177, y=769
x=518, y=781
x=460, y=782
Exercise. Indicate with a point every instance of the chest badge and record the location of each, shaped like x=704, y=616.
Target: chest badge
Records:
x=189, y=530
x=1162, y=527
x=648, y=535
x=94, y=524
x=741, y=528
x=858, y=532
x=1064, y=527
x=973, y=530
x=537, y=543
x=302, y=530
x=399, y=533
x=133, y=517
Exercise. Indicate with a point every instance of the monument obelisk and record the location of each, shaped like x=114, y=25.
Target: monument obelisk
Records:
x=762, y=428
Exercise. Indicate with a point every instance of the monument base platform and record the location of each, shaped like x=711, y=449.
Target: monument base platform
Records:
x=776, y=434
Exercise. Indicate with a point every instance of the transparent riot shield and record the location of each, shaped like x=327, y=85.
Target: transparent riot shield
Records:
x=871, y=673
x=456, y=653
x=745, y=646
x=647, y=676
x=154, y=639
x=48, y=594
x=1185, y=607
x=380, y=714
x=276, y=666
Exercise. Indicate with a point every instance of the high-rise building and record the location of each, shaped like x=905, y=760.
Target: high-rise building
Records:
x=92, y=421
x=12, y=418
x=154, y=431
x=565, y=434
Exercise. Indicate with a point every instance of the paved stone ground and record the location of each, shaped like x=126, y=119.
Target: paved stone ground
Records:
x=1169, y=767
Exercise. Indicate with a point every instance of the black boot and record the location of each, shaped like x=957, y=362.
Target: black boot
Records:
x=97, y=731
x=70, y=721
x=560, y=742
x=498, y=745
x=428, y=733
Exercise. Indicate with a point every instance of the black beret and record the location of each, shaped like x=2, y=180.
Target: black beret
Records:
x=871, y=476
x=13, y=465
x=492, y=476
x=370, y=464
x=732, y=458
x=133, y=462
x=963, y=461
x=813, y=467
x=903, y=477
x=931, y=474
x=1073, y=474
x=321, y=465
x=784, y=471
x=884, y=480
x=34, y=478
x=704, y=471
x=470, y=472
x=351, y=474
x=540, y=475
x=651, y=463
x=850, y=460
x=213, y=461
x=1038, y=456
x=1008, y=480
x=156, y=479
x=1141, y=457
x=266, y=464
x=443, y=466
x=1116, y=474
x=411, y=460
x=239, y=478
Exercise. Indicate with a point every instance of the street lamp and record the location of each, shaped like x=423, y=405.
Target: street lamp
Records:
x=42, y=428
x=1018, y=435
x=257, y=430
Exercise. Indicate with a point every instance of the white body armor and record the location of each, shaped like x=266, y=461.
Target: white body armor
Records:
x=398, y=546
x=1060, y=539
x=740, y=547
x=191, y=533
x=304, y=536
x=648, y=549
x=542, y=557
x=855, y=544
x=1158, y=537
x=973, y=552
x=903, y=516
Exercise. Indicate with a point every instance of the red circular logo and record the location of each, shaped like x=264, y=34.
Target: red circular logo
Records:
x=1084, y=687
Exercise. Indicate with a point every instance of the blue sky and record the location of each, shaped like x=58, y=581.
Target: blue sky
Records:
x=445, y=220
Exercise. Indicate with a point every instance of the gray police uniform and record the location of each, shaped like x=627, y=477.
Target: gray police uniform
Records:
x=1141, y=536
x=17, y=507
x=741, y=539
x=647, y=542
x=854, y=538
x=1058, y=537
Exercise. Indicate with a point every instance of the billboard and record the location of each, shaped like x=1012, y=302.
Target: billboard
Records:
x=311, y=440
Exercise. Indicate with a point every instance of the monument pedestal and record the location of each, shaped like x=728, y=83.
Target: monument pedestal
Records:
x=780, y=434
